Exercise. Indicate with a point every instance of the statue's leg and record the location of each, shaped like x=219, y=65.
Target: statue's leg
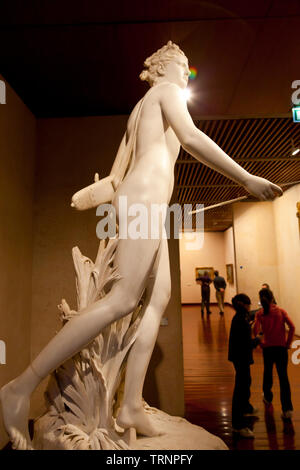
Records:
x=132, y=413
x=135, y=260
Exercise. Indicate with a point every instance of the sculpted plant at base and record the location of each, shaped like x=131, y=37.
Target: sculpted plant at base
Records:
x=82, y=393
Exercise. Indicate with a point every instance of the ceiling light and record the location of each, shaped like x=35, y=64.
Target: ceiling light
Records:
x=295, y=149
x=187, y=94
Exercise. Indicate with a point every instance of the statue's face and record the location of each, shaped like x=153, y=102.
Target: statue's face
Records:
x=177, y=71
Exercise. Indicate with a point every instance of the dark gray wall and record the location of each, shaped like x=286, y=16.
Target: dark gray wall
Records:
x=17, y=158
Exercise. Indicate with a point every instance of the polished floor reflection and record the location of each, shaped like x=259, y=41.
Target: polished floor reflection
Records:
x=209, y=380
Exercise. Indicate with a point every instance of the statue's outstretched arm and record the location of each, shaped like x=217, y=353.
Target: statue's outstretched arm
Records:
x=201, y=147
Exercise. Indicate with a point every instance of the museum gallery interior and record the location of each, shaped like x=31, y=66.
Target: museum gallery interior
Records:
x=80, y=316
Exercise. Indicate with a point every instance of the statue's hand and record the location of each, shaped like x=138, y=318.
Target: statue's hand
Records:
x=262, y=188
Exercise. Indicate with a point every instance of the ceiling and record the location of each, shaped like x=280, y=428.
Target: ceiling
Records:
x=83, y=58
x=262, y=146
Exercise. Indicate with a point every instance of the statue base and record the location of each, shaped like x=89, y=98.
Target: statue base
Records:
x=177, y=434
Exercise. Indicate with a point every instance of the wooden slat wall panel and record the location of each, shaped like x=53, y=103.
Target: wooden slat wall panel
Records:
x=258, y=142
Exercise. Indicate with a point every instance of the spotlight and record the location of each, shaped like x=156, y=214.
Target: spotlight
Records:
x=295, y=150
x=187, y=94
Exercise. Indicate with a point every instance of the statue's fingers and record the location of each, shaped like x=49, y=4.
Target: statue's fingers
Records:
x=277, y=189
x=265, y=196
x=270, y=194
x=262, y=197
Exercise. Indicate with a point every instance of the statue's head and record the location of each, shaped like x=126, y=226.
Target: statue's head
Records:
x=156, y=63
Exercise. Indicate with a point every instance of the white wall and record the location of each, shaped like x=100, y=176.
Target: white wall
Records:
x=217, y=250
x=288, y=252
x=267, y=242
x=255, y=244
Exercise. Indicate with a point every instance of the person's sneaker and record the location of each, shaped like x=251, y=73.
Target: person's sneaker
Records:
x=287, y=414
x=244, y=432
x=254, y=412
x=266, y=402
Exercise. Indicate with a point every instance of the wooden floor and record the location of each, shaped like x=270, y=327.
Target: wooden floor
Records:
x=209, y=381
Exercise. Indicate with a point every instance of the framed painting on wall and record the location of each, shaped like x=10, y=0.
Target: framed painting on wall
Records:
x=229, y=273
x=200, y=272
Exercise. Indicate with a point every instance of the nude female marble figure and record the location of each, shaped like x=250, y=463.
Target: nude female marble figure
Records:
x=164, y=124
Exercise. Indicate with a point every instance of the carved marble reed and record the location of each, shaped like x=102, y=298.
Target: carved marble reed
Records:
x=84, y=394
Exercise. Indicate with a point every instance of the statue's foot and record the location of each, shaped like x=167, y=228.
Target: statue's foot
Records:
x=15, y=409
x=137, y=418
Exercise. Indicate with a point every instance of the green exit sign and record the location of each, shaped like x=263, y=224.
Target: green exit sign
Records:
x=296, y=114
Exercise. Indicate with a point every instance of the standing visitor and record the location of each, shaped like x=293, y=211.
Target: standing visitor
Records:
x=241, y=345
x=220, y=286
x=271, y=320
x=205, y=292
x=266, y=286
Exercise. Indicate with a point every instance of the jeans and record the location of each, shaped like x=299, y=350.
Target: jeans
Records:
x=241, y=395
x=277, y=355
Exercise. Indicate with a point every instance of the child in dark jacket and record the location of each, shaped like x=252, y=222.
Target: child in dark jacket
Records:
x=240, y=353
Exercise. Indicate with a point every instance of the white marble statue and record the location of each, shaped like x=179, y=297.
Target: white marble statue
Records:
x=143, y=172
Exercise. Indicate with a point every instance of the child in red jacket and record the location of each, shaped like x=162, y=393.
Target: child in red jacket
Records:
x=271, y=320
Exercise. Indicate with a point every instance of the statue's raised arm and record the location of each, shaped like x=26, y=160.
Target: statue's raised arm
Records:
x=200, y=146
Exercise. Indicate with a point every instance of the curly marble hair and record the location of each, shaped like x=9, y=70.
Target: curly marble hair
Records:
x=163, y=55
